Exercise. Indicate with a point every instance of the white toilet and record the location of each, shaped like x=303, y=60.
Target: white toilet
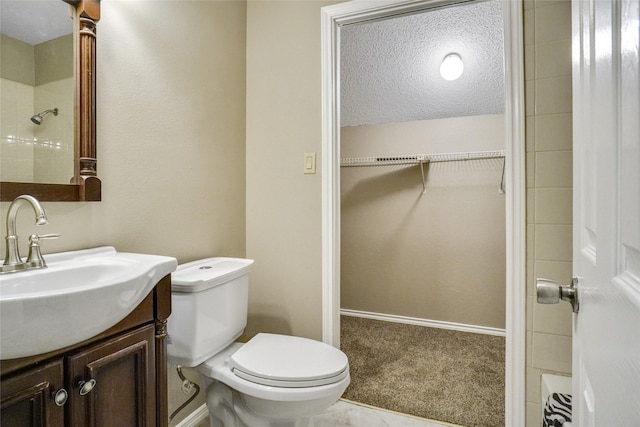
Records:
x=272, y=380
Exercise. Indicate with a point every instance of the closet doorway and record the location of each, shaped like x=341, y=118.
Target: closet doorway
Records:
x=416, y=165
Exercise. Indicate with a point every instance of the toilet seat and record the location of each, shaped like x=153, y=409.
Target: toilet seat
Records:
x=287, y=361
x=218, y=368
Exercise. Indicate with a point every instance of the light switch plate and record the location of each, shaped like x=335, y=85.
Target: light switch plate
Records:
x=310, y=163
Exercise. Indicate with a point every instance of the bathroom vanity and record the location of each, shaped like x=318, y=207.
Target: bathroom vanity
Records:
x=117, y=378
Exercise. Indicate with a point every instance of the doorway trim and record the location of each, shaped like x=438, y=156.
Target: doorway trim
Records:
x=332, y=17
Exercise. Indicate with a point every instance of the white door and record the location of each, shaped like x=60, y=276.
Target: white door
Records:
x=606, y=240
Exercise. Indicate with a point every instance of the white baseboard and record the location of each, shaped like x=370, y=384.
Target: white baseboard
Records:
x=195, y=417
x=425, y=322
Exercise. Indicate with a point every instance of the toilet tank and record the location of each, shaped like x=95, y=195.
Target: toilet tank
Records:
x=209, y=301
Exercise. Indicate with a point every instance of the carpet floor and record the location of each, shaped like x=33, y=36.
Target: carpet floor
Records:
x=439, y=374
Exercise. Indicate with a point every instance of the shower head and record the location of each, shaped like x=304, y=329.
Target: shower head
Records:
x=37, y=119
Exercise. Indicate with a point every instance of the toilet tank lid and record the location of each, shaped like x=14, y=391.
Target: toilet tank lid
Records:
x=207, y=273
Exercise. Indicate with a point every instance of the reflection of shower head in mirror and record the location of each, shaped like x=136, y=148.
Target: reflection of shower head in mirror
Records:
x=37, y=119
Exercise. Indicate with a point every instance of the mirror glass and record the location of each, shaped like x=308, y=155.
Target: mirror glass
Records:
x=36, y=92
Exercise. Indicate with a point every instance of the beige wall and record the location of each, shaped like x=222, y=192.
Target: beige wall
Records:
x=438, y=256
x=283, y=204
x=54, y=60
x=171, y=132
x=549, y=188
x=283, y=218
x=17, y=61
x=172, y=156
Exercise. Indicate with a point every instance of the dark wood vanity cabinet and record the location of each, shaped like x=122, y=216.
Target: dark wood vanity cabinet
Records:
x=27, y=399
x=124, y=392
x=128, y=364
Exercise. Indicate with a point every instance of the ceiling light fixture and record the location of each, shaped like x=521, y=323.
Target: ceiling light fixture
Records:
x=451, y=67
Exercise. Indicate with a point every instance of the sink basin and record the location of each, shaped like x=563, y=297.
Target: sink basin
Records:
x=79, y=295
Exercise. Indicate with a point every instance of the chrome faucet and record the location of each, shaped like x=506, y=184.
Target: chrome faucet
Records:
x=12, y=260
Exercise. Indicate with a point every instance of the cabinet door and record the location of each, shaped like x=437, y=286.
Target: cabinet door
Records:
x=28, y=398
x=124, y=372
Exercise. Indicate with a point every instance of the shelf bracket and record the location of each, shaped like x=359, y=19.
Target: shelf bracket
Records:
x=504, y=164
x=424, y=175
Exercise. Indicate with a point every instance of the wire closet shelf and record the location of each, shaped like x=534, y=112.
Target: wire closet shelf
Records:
x=421, y=159
x=412, y=159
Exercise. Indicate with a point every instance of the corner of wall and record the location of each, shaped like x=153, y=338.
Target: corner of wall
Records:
x=547, y=38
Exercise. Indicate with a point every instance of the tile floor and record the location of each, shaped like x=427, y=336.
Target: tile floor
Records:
x=348, y=414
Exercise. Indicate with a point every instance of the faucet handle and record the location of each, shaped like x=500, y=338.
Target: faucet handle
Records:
x=35, y=259
x=37, y=237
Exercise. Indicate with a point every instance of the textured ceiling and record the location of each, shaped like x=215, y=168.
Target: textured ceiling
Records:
x=35, y=21
x=390, y=69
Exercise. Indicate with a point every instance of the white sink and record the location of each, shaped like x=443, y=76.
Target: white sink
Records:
x=79, y=295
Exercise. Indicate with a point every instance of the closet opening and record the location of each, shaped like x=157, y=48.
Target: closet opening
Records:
x=423, y=213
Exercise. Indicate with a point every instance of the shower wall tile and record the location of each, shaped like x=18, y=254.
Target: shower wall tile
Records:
x=545, y=3
x=534, y=414
x=547, y=31
x=553, y=318
x=553, y=95
x=529, y=26
x=553, y=206
x=552, y=352
x=551, y=20
x=531, y=242
x=24, y=172
x=529, y=64
x=529, y=352
x=8, y=158
x=560, y=271
x=17, y=131
x=530, y=97
x=531, y=282
x=530, y=134
x=531, y=169
x=554, y=169
x=553, y=132
x=553, y=59
x=532, y=391
x=553, y=242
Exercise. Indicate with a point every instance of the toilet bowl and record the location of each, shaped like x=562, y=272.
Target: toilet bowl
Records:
x=275, y=391
x=272, y=380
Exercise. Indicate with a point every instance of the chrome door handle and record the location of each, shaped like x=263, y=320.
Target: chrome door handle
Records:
x=550, y=292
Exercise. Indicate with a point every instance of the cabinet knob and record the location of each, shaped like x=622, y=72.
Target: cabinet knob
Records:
x=60, y=397
x=86, y=386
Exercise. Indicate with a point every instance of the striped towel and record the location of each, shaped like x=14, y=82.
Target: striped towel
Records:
x=557, y=410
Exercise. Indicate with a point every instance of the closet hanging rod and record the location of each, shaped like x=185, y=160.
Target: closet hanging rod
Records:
x=412, y=159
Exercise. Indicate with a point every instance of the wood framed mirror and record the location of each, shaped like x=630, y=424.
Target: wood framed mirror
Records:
x=84, y=185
